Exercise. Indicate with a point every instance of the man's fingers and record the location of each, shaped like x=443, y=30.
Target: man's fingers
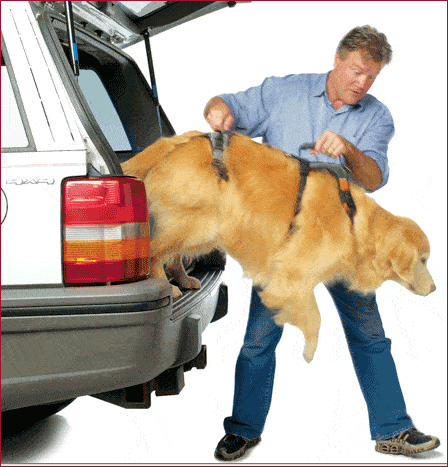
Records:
x=228, y=123
x=214, y=123
x=219, y=121
x=218, y=115
x=318, y=146
x=329, y=144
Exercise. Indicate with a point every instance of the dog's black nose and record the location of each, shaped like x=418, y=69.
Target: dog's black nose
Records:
x=433, y=287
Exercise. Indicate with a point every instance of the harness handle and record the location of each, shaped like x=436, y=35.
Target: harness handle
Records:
x=340, y=172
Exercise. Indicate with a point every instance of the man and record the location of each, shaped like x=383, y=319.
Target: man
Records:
x=349, y=127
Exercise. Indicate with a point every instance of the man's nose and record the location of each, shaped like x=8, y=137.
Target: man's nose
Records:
x=362, y=81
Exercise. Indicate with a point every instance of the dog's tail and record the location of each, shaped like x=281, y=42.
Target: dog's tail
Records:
x=140, y=164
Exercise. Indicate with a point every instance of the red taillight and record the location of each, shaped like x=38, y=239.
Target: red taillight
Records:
x=105, y=230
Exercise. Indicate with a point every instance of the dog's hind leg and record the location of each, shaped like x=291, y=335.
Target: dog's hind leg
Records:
x=301, y=312
x=306, y=316
x=181, y=277
x=162, y=250
x=169, y=250
x=158, y=272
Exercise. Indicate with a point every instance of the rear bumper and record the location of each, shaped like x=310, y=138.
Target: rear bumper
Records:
x=63, y=343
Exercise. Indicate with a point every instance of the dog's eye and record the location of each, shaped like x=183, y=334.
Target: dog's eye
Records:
x=424, y=260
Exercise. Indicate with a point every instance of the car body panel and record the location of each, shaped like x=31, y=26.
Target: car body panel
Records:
x=31, y=186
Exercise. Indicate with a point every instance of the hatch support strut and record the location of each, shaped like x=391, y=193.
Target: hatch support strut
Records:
x=153, y=79
x=71, y=37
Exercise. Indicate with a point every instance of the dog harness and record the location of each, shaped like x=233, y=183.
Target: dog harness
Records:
x=220, y=141
x=338, y=171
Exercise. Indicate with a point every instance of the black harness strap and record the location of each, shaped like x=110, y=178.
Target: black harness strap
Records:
x=339, y=172
x=304, y=171
x=219, y=142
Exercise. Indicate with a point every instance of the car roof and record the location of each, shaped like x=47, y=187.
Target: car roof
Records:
x=122, y=23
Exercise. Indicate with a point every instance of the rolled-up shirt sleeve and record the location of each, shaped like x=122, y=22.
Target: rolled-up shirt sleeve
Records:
x=375, y=141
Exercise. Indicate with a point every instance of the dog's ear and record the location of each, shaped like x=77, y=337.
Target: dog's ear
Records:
x=403, y=260
x=396, y=253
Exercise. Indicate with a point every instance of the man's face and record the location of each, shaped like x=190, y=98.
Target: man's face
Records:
x=353, y=76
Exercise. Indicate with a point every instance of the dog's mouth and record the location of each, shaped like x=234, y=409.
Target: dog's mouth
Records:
x=431, y=289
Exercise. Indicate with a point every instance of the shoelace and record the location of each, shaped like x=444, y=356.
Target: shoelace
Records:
x=402, y=437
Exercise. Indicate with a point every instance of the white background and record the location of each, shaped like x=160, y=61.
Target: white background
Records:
x=318, y=414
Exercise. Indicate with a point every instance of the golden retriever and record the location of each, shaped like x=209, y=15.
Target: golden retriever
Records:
x=250, y=214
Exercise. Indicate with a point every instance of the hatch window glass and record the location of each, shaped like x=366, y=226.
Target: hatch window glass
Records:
x=13, y=130
x=121, y=105
x=103, y=110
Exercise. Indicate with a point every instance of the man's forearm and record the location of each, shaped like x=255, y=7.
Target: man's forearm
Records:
x=365, y=171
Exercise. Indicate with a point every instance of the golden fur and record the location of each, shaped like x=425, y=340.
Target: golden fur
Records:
x=251, y=217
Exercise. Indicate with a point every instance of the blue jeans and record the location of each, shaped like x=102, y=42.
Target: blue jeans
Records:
x=369, y=349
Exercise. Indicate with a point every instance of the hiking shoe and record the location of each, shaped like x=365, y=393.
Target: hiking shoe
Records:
x=408, y=442
x=233, y=447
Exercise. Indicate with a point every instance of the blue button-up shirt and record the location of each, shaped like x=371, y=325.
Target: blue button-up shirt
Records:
x=287, y=112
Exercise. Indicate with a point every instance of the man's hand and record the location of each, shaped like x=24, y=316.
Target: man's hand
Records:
x=331, y=144
x=365, y=171
x=217, y=114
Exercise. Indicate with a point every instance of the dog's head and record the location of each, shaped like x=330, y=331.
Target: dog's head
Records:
x=402, y=255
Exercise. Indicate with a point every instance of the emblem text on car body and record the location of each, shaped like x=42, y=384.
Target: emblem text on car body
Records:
x=30, y=181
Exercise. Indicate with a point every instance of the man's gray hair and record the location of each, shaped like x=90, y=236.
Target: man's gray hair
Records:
x=367, y=40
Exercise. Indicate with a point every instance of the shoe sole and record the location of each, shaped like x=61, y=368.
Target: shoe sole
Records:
x=390, y=447
x=222, y=456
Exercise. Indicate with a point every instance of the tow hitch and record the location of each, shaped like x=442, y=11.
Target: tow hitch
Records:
x=168, y=383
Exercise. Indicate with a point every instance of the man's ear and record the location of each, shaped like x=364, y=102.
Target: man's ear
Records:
x=337, y=60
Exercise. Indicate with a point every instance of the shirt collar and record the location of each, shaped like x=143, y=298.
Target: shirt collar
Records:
x=320, y=88
x=320, y=85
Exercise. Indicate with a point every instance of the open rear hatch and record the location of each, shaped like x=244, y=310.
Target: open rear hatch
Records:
x=123, y=23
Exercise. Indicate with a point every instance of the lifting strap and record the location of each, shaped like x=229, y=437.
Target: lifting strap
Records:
x=338, y=171
x=220, y=141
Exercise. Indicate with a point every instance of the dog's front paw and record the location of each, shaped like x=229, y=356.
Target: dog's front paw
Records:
x=188, y=282
x=176, y=291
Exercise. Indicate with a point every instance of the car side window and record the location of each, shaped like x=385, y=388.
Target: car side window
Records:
x=103, y=109
x=13, y=129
